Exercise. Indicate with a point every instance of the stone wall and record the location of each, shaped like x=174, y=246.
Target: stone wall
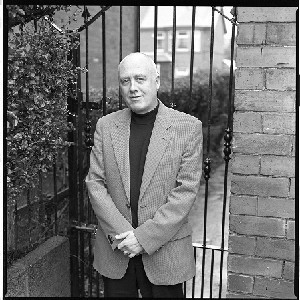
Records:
x=262, y=204
x=44, y=272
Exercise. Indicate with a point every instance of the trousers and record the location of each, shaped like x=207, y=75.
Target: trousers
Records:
x=136, y=279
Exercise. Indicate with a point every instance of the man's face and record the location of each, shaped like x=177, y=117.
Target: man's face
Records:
x=139, y=83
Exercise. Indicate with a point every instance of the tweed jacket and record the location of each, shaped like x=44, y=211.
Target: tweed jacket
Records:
x=169, y=186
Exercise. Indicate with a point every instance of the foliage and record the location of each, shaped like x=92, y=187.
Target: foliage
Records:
x=22, y=14
x=38, y=78
x=198, y=104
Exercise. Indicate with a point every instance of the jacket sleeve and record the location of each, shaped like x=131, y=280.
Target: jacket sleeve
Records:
x=111, y=221
x=170, y=217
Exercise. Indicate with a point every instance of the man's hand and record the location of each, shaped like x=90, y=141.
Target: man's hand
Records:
x=130, y=245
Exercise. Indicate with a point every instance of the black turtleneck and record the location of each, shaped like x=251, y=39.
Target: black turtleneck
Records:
x=140, y=132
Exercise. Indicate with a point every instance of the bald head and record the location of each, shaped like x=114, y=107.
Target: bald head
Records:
x=142, y=58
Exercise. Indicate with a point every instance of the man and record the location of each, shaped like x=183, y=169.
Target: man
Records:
x=145, y=171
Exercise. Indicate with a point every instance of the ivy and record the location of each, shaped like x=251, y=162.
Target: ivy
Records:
x=39, y=74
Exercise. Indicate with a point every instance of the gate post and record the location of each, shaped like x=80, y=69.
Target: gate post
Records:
x=261, y=260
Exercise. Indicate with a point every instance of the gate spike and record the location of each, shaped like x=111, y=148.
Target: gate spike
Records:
x=86, y=14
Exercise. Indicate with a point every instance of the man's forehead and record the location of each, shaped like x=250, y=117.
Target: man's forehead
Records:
x=135, y=67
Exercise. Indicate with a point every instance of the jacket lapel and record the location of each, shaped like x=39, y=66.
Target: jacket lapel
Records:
x=158, y=143
x=120, y=139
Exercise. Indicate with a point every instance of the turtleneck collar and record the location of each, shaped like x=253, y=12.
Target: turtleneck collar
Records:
x=146, y=118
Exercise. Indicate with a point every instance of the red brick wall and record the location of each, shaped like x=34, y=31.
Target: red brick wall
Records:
x=262, y=204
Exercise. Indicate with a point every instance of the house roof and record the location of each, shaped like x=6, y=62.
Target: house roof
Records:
x=183, y=16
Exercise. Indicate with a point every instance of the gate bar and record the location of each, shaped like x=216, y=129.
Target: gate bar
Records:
x=138, y=29
x=120, y=53
x=173, y=56
x=212, y=272
x=104, y=64
x=207, y=161
x=73, y=199
x=155, y=34
x=192, y=58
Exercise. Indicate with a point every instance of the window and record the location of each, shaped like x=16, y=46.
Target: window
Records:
x=182, y=40
x=160, y=41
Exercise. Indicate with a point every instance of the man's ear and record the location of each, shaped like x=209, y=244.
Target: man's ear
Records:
x=157, y=81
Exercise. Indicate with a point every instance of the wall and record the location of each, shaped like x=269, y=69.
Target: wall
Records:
x=44, y=272
x=262, y=204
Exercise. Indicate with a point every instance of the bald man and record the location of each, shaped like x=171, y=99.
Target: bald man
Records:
x=145, y=171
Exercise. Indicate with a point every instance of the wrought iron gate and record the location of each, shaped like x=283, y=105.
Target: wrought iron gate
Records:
x=85, y=281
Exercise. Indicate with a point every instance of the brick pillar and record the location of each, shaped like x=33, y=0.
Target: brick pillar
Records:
x=262, y=203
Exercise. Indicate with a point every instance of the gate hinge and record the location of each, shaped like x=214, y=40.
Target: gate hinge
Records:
x=92, y=228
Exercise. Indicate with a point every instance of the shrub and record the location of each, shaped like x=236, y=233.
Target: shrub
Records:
x=38, y=78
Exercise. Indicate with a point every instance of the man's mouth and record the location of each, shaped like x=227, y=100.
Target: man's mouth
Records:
x=135, y=97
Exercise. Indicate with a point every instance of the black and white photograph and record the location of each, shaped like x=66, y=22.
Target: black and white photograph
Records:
x=150, y=151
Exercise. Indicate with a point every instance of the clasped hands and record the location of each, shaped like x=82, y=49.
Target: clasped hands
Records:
x=130, y=245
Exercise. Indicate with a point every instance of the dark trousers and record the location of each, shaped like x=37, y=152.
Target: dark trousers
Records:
x=135, y=278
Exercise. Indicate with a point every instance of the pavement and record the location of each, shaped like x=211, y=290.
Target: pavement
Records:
x=213, y=235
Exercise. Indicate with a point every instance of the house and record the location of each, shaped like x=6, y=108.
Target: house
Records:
x=183, y=38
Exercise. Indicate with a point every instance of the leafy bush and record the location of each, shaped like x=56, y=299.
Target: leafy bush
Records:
x=38, y=78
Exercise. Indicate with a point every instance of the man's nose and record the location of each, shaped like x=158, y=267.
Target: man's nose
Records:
x=132, y=85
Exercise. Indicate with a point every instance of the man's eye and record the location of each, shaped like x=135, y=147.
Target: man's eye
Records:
x=125, y=81
x=140, y=79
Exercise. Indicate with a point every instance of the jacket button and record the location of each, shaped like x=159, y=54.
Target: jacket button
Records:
x=128, y=205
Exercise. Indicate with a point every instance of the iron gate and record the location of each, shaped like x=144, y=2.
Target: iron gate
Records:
x=85, y=281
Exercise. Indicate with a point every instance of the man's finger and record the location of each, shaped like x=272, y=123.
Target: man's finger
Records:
x=122, y=235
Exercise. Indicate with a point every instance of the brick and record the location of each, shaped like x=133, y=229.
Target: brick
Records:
x=258, y=226
x=283, y=166
x=277, y=101
x=279, y=123
x=266, y=56
x=245, y=164
x=289, y=270
x=281, y=34
x=249, y=79
x=291, y=230
x=275, y=248
x=281, y=79
x=259, y=186
x=240, y=283
x=292, y=188
x=261, y=144
x=276, y=207
x=241, y=244
x=247, y=122
x=251, y=34
x=274, y=288
x=245, y=205
x=254, y=266
x=266, y=14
